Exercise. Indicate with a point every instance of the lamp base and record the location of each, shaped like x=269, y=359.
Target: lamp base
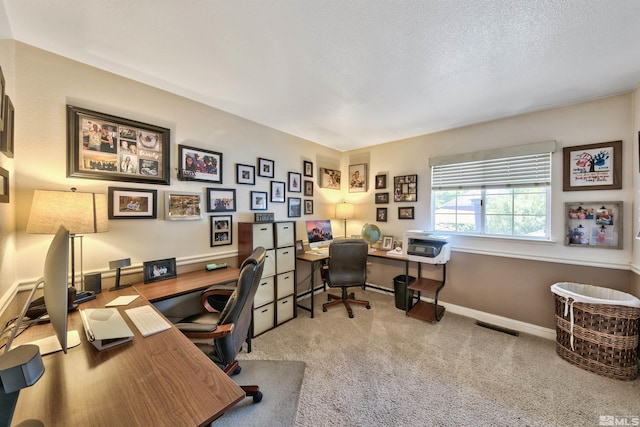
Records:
x=117, y=288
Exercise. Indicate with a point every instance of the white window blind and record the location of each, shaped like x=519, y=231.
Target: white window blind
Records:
x=511, y=166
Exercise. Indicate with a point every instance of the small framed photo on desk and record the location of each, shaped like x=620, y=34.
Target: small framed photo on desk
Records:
x=299, y=247
x=155, y=271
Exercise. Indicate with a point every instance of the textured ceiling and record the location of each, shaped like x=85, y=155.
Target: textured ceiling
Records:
x=350, y=74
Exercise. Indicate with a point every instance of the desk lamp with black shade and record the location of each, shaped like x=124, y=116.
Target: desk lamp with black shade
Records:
x=81, y=213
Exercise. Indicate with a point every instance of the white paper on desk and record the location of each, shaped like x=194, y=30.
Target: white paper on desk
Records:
x=123, y=300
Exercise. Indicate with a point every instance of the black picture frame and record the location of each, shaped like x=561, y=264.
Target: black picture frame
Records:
x=7, y=135
x=221, y=230
x=99, y=144
x=277, y=191
x=308, y=207
x=308, y=188
x=266, y=168
x=156, y=271
x=221, y=199
x=381, y=198
x=198, y=164
x=307, y=168
x=381, y=182
x=245, y=174
x=381, y=214
x=406, y=212
x=405, y=188
x=259, y=201
x=294, y=207
x=295, y=182
x=4, y=185
x=132, y=203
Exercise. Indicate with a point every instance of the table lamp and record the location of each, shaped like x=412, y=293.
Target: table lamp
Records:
x=344, y=211
x=80, y=213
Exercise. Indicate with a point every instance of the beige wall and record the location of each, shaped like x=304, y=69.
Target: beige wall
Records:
x=505, y=277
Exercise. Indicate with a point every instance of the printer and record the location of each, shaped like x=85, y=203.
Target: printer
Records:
x=426, y=246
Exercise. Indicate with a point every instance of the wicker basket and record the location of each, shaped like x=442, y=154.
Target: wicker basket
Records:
x=601, y=338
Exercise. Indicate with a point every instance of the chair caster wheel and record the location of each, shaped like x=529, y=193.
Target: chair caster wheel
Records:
x=368, y=307
x=351, y=316
x=324, y=309
x=237, y=370
x=258, y=397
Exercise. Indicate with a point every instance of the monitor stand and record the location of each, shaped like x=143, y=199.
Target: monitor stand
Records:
x=50, y=344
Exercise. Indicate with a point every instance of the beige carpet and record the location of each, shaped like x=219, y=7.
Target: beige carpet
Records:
x=382, y=368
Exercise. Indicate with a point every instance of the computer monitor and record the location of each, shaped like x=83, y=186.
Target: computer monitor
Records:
x=56, y=294
x=319, y=233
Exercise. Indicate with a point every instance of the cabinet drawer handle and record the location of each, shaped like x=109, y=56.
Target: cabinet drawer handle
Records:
x=263, y=283
x=285, y=302
x=265, y=310
x=285, y=228
x=286, y=277
x=285, y=253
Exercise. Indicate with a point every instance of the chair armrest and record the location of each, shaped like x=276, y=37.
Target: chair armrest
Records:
x=190, y=331
x=196, y=327
x=216, y=290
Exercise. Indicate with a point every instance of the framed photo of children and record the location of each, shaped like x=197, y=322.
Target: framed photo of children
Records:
x=197, y=164
x=163, y=269
x=101, y=146
x=182, y=206
x=221, y=230
x=358, y=178
x=132, y=203
x=221, y=199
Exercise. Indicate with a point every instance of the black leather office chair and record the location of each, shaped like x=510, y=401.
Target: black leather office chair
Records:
x=347, y=267
x=220, y=334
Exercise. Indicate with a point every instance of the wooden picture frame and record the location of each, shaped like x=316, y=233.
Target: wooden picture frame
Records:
x=259, y=201
x=381, y=182
x=307, y=168
x=381, y=198
x=358, y=178
x=182, y=206
x=106, y=147
x=299, y=247
x=221, y=230
x=381, y=214
x=2, y=99
x=594, y=224
x=266, y=168
x=277, y=191
x=4, y=185
x=132, y=203
x=405, y=188
x=295, y=182
x=198, y=164
x=156, y=271
x=245, y=174
x=7, y=135
x=308, y=207
x=294, y=208
x=221, y=199
x=406, y=212
x=308, y=188
x=330, y=178
x=387, y=243
x=592, y=167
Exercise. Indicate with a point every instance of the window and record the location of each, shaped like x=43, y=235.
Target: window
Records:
x=502, y=192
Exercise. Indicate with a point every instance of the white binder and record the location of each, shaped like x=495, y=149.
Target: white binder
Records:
x=105, y=327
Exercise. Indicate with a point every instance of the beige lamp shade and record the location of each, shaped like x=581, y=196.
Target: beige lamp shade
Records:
x=80, y=213
x=344, y=211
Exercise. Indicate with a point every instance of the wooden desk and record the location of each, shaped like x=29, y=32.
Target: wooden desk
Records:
x=186, y=283
x=161, y=380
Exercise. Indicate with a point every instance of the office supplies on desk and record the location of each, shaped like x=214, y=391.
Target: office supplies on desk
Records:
x=147, y=320
x=122, y=300
x=105, y=327
x=216, y=266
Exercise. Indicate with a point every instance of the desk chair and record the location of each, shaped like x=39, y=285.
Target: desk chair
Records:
x=220, y=334
x=347, y=267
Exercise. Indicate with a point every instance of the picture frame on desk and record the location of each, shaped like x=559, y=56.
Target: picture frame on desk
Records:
x=387, y=243
x=106, y=147
x=221, y=230
x=163, y=269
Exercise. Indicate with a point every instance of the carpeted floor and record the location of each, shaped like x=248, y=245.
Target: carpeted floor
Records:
x=385, y=369
x=280, y=384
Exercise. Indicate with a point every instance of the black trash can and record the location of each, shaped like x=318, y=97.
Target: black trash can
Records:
x=401, y=291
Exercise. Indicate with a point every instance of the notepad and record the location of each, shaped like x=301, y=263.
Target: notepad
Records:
x=105, y=327
x=123, y=300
